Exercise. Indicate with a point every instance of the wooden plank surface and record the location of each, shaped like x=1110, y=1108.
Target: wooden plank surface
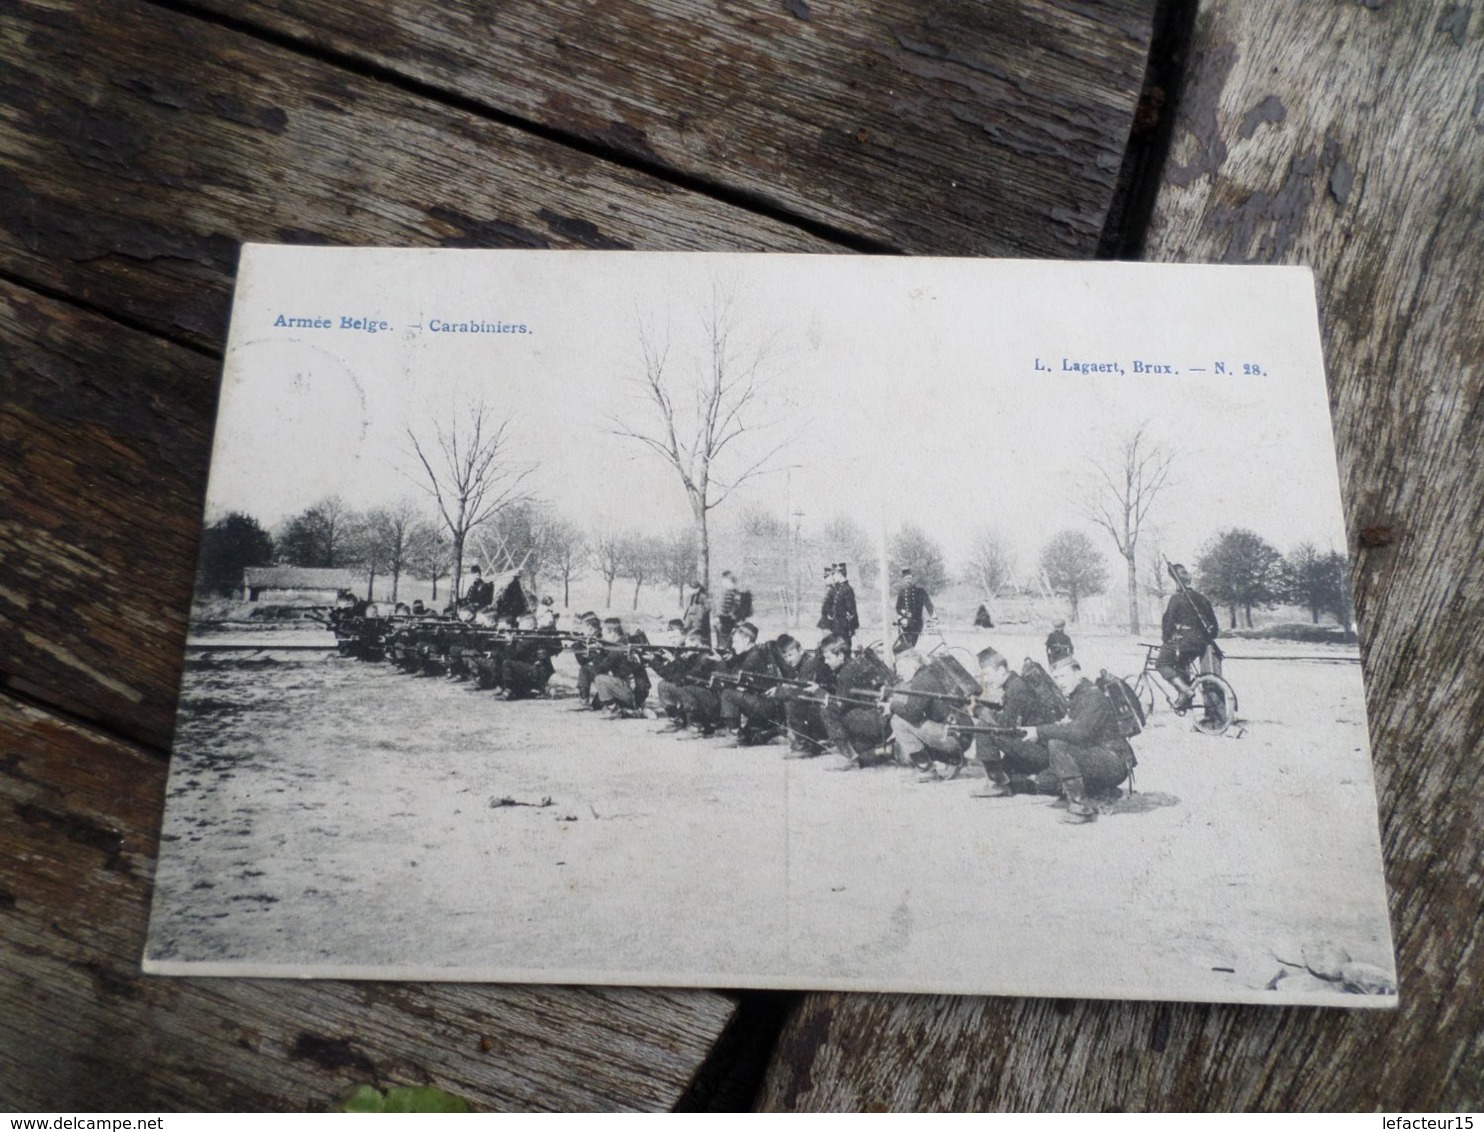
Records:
x=82, y=1029
x=139, y=147
x=994, y=128
x=1346, y=136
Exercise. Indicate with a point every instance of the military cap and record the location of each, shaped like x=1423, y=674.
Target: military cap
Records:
x=747, y=627
x=841, y=568
x=1065, y=662
x=675, y=623
x=612, y=621
x=1059, y=623
x=474, y=569
x=830, y=569
x=992, y=658
x=783, y=640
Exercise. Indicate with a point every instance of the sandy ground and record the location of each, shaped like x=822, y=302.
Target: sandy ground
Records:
x=335, y=817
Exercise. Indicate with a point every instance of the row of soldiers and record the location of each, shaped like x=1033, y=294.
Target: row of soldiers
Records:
x=1032, y=731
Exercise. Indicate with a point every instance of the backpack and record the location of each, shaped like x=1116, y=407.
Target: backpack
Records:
x=743, y=611
x=1053, y=701
x=1126, y=705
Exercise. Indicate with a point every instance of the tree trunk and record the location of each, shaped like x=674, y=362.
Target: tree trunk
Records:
x=637, y=583
x=396, y=581
x=371, y=584
x=458, y=565
x=1072, y=596
x=567, y=589
x=608, y=604
x=1232, y=609
x=1133, y=594
x=1247, y=612
x=703, y=536
x=1314, y=611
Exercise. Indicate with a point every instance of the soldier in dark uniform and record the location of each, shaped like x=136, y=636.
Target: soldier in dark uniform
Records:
x=1058, y=644
x=920, y=725
x=803, y=707
x=1011, y=763
x=585, y=651
x=527, y=667
x=1087, y=751
x=680, y=671
x=912, y=603
x=480, y=593
x=838, y=615
x=759, y=707
x=855, y=719
x=619, y=678
x=1189, y=626
x=701, y=701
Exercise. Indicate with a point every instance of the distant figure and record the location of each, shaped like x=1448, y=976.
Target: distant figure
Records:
x=838, y=615
x=1058, y=644
x=982, y=618
x=1189, y=626
x=734, y=607
x=913, y=603
x=480, y=593
x=697, y=615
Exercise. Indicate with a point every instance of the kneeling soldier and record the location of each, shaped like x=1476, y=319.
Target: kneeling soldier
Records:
x=921, y=725
x=1088, y=753
x=527, y=666
x=1010, y=763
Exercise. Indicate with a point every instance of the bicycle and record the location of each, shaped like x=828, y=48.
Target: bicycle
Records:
x=1217, y=698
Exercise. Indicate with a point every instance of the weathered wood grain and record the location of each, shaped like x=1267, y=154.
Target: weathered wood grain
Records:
x=1347, y=136
x=82, y=1029
x=138, y=148
x=994, y=128
x=104, y=441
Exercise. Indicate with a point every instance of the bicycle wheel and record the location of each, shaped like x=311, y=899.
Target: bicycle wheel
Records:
x=1144, y=690
x=1219, y=704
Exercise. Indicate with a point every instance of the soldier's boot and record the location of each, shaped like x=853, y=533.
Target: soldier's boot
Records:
x=1185, y=698
x=1078, y=811
x=996, y=786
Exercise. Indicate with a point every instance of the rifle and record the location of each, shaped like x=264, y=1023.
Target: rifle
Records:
x=949, y=697
x=986, y=729
x=752, y=680
x=842, y=698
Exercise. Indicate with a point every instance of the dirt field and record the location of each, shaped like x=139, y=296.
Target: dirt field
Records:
x=336, y=817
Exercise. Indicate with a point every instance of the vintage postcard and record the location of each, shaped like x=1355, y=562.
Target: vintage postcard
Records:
x=754, y=621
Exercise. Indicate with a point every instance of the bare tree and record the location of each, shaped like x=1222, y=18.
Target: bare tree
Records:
x=607, y=552
x=317, y=536
x=1124, y=491
x=469, y=475
x=678, y=563
x=991, y=562
x=566, y=553
x=429, y=552
x=639, y=558
x=701, y=427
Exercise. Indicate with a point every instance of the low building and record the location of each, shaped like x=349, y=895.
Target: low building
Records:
x=296, y=584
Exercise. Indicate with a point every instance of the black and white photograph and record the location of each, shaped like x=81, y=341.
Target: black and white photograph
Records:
x=790, y=622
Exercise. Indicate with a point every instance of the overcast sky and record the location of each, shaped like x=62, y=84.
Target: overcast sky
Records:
x=902, y=389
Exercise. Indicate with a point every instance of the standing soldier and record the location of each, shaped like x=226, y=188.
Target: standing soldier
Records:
x=480, y=593
x=912, y=603
x=697, y=615
x=1058, y=644
x=734, y=607
x=1189, y=626
x=838, y=616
